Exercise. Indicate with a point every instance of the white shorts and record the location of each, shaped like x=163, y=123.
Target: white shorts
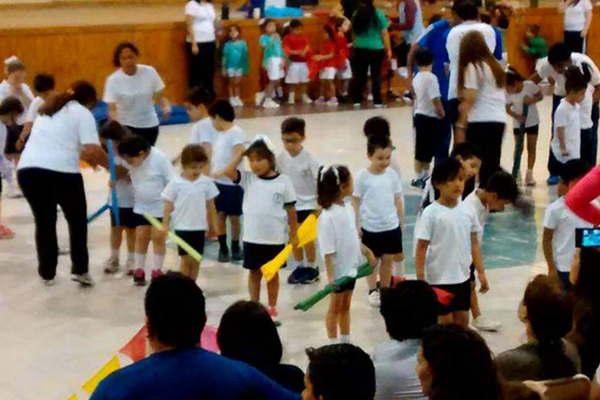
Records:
x=297, y=73
x=275, y=68
x=234, y=72
x=327, y=73
x=346, y=72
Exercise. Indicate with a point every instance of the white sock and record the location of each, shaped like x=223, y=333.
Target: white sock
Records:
x=344, y=338
x=114, y=254
x=310, y=265
x=130, y=256
x=333, y=340
x=140, y=261
x=158, y=260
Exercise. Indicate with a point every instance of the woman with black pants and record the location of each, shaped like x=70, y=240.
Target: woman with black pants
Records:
x=370, y=47
x=482, y=119
x=49, y=176
x=200, y=19
x=577, y=21
x=131, y=92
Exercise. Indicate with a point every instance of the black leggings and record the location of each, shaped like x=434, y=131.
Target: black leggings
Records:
x=574, y=41
x=44, y=190
x=362, y=59
x=150, y=134
x=201, y=70
x=487, y=136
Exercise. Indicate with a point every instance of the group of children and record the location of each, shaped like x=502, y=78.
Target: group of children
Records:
x=291, y=58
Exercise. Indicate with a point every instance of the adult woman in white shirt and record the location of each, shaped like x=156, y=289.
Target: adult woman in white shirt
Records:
x=200, y=18
x=578, y=18
x=482, y=117
x=49, y=175
x=131, y=92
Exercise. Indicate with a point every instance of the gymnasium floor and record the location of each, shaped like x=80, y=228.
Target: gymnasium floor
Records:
x=53, y=339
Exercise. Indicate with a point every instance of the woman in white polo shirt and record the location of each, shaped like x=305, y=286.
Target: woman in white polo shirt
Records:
x=482, y=117
x=49, y=175
x=131, y=92
x=578, y=18
x=200, y=18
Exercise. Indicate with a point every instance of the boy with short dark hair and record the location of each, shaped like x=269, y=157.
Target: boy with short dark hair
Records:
x=302, y=168
x=558, y=240
x=339, y=372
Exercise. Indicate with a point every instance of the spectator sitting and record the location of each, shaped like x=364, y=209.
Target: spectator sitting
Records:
x=247, y=333
x=547, y=315
x=339, y=372
x=455, y=363
x=407, y=309
x=178, y=370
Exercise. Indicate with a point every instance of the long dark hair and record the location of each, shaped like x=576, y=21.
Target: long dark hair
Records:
x=474, y=50
x=82, y=92
x=550, y=316
x=454, y=353
x=364, y=16
x=329, y=184
x=247, y=333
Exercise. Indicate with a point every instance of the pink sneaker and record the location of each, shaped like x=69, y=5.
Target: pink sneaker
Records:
x=156, y=273
x=139, y=277
x=273, y=312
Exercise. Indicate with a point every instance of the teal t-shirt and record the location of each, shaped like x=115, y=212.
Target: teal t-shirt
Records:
x=235, y=55
x=371, y=38
x=271, y=47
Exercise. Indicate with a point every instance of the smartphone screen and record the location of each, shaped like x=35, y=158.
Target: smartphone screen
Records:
x=587, y=237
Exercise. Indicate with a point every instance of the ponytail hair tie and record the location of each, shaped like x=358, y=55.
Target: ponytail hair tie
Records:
x=334, y=169
x=267, y=142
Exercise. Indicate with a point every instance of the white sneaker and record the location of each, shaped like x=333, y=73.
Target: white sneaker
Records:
x=239, y=102
x=333, y=102
x=83, y=279
x=306, y=99
x=258, y=98
x=374, y=298
x=13, y=191
x=232, y=101
x=484, y=324
x=270, y=103
x=320, y=100
x=370, y=97
x=291, y=99
x=111, y=265
x=49, y=282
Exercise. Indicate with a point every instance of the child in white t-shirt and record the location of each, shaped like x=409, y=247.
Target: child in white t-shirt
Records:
x=378, y=199
x=500, y=190
x=428, y=112
x=521, y=98
x=224, y=142
x=339, y=245
x=297, y=163
x=269, y=216
x=189, y=198
x=566, y=138
x=150, y=171
x=114, y=131
x=560, y=223
x=447, y=243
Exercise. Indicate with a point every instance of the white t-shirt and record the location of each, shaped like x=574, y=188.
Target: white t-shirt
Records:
x=337, y=235
x=545, y=71
x=34, y=109
x=453, y=48
x=222, y=146
x=476, y=208
x=427, y=89
x=6, y=90
x=575, y=15
x=377, y=195
x=563, y=221
x=567, y=116
x=490, y=101
x=448, y=231
x=265, y=200
x=55, y=142
x=134, y=96
x=303, y=170
x=149, y=180
x=204, y=21
x=202, y=132
x=395, y=370
x=123, y=186
x=189, y=199
x=515, y=101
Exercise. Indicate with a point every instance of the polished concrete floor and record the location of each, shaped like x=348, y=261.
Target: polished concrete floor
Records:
x=53, y=339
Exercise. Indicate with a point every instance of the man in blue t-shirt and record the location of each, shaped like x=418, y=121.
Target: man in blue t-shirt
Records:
x=178, y=370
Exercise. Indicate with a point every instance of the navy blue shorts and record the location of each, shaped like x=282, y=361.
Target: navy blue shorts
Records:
x=194, y=239
x=140, y=220
x=301, y=215
x=256, y=255
x=380, y=243
x=229, y=200
x=461, y=297
x=345, y=287
x=126, y=218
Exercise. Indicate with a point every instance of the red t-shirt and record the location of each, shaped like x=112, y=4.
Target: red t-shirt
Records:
x=294, y=42
x=326, y=48
x=342, y=49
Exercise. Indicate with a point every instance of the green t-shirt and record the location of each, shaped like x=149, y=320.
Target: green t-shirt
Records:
x=371, y=38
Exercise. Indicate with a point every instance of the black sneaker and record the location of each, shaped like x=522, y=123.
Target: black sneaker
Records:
x=296, y=275
x=311, y=275
x=237, y=254
x=224, y=256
